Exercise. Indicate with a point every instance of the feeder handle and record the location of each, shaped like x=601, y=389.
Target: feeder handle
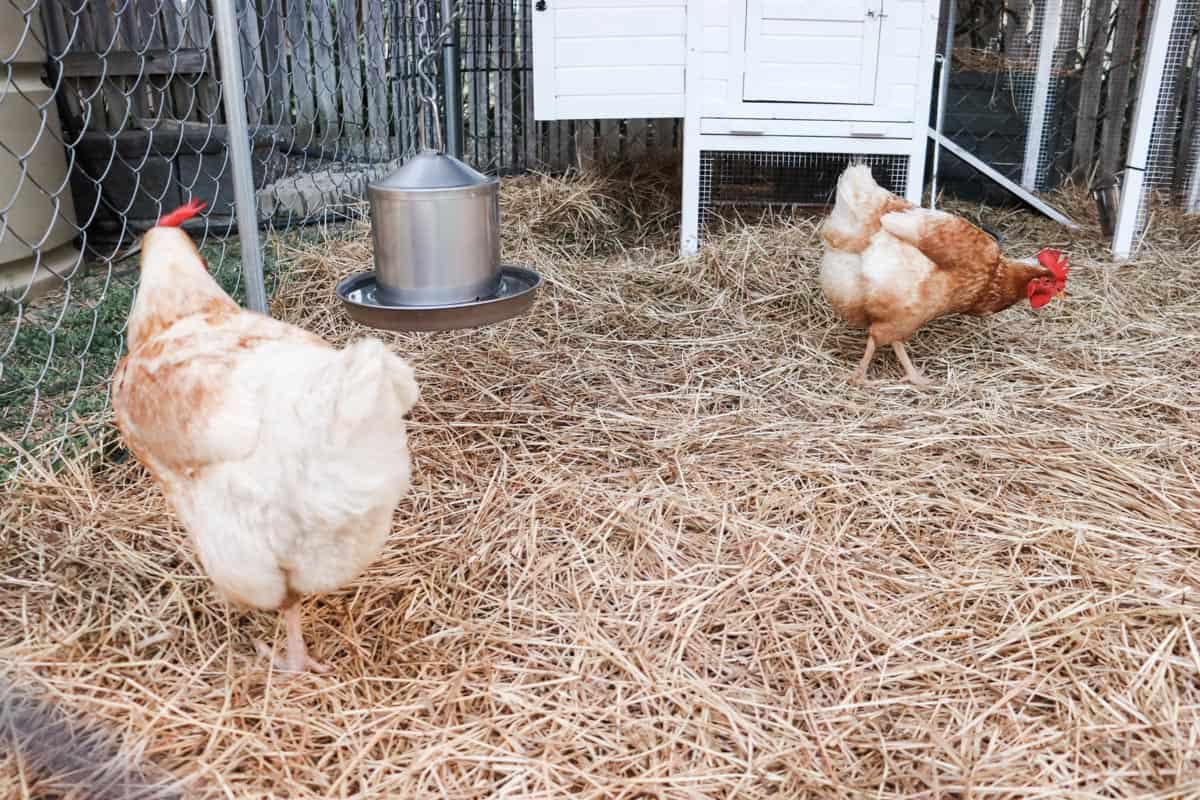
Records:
x=430, y=50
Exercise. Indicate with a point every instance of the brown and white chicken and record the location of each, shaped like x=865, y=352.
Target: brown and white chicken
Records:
x=890, y=267
x=283, y=457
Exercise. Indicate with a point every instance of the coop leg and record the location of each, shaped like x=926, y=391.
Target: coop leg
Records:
x=914, y=187
x=689, y=228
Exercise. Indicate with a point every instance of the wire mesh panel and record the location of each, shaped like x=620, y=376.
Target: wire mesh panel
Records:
x=747, y=179
x=1188, y=168
x=1012, y=95
x=1162, y=159
x=110, y=114
x=331, y=101
x=1041, y=88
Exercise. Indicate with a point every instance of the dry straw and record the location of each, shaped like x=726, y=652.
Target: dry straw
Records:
x=657, y=546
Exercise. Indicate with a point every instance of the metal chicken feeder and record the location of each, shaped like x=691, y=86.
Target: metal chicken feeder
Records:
x=436, y=228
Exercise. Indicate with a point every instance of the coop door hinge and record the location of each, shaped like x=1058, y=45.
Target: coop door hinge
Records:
x=873, y=14
x=541, y=5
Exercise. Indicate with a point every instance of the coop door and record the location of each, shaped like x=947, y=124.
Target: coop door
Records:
x=812, y=51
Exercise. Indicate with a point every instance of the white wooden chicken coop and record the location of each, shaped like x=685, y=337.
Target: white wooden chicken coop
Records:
x=777, y=96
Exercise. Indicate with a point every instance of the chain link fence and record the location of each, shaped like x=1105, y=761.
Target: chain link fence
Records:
x=111, y=113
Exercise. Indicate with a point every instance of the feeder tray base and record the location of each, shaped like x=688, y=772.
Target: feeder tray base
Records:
x=518, y=286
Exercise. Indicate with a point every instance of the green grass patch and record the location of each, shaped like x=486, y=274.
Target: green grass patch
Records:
x=58, y=353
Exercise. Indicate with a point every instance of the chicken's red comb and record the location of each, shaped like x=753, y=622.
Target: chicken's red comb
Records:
x=181, y=214
x=1057, y=263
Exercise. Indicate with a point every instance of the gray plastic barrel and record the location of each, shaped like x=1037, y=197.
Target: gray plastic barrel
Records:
x=37, y=241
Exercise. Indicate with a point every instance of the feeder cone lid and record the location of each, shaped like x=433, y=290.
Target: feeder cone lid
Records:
x=432, y=170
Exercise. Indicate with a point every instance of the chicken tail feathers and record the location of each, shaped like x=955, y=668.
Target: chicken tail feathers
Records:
x=856, y=188
x=858, y=203
x=376, y=387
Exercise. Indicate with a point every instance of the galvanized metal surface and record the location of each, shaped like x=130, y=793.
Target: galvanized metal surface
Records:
x=516, y=293
x=452, y=78
x=436, y=226
x=945, y=61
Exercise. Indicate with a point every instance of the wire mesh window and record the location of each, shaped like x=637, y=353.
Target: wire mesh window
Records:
x=736, y=178
x=111, y=113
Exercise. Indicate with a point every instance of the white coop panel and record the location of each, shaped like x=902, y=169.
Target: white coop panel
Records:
x=812, y=51
x=609, y=59
x=840, y=77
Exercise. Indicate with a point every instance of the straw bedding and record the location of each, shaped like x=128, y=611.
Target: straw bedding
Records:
x=657, y=546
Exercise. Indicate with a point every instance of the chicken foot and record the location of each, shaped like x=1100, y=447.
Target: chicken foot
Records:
x=914, y=375
x=297, y=659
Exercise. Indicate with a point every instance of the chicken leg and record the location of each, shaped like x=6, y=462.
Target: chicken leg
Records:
x=859, y=377
x=297, y=659
x=914, y=375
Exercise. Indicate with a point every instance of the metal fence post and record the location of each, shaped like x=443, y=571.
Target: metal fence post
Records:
x=945, y=62
x=233, y=97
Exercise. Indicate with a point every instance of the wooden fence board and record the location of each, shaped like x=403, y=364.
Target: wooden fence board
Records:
x=402, y=83
x=524, y=77
x=160, y=63
x=142, y=33
x=508, y=128
x=1088, y=119
x=376, y=73
x=494, y=148
x=110, y=108
x=198, y=33
x=300, y=70
x=1113, y=130
x=350, y=75
x=325, y=78
x=55, y=18
x=250, y=43
x=275, y=65
x=182, y=61
x=1184, y=163
x=609, y=146
x=478, y=91
x=636, y=134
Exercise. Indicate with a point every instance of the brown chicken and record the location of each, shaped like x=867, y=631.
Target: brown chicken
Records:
x=890, y=267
